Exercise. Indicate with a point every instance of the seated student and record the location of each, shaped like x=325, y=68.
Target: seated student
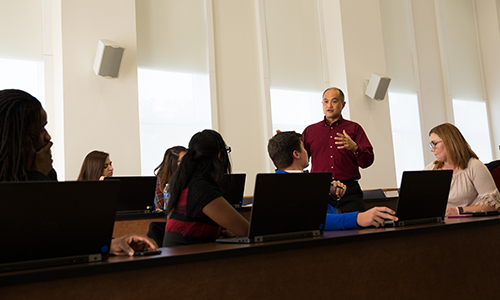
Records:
x=196, y=209
x=164, y=172
x=472, y=187
x=288, y=154
x=25, y=154
x=96, y=166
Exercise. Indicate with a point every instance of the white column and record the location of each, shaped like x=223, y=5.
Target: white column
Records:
x=242, y=111
x=355, y=50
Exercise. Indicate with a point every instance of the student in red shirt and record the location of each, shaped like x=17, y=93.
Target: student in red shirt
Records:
x=196, y=209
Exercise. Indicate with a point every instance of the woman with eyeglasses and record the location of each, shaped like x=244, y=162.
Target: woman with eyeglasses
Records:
x=196, y=210
x=472, y=187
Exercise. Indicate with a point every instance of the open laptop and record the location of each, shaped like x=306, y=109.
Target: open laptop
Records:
x=287, y=205
x=234, y=191
x=137, y=194
x=423, y=197
x=45, y=223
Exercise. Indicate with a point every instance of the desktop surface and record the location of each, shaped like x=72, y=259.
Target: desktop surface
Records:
x=370, y=238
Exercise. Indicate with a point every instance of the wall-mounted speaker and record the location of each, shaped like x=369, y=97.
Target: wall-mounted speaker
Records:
x=108, y=59
x=377, y=86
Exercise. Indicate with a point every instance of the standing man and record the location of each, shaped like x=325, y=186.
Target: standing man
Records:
x=341, y=147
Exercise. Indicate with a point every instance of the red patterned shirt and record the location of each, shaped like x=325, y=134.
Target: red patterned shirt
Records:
x=187, y=217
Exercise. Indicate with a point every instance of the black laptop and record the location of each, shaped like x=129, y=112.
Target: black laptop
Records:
x=46, y=223
x=286, y=206
x=235, y=188
x=137, y=194
x=423, y=197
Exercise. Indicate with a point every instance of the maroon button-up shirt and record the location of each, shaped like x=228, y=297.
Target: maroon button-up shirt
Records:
x=319, y=141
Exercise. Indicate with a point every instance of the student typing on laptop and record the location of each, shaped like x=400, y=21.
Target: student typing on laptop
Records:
x=25, y=154
x=288, y=154
x=472, y=187
x=197, y=209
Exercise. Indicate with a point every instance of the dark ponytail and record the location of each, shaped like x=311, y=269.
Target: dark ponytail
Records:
x=206, y=155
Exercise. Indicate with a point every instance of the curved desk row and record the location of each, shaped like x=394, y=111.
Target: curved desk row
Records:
x=458, y=258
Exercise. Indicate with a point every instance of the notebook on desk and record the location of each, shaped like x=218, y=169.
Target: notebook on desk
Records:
x=423, y=197
x=137, y=194
x=286, y=206
x=45, y=224
x=235, y=189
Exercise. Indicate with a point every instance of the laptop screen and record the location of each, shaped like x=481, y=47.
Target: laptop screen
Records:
x=136, y=193
x=423, y=194
x=289, y=202
x=234, y=188
x=51, y=220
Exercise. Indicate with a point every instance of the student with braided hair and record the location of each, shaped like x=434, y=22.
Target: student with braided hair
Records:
x=24, y=142
x=25, y=155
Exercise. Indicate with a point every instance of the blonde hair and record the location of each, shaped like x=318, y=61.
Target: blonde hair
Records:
x=458, y=151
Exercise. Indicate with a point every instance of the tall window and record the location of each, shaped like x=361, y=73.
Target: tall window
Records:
x=24, y=75
x=295, y=65
x=465, y=75
x=21, y=54
x=173, y=81
x=172, y=107
x=406, y=134
x=471, y=118
x=403, y=101
x=295, y=110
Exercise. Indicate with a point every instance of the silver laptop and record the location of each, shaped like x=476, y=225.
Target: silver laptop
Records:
x=423, y=197
x=286, y=206
x=47, y=223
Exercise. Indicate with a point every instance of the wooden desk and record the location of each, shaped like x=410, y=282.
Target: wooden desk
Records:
x=391, y=202
x=138, y=223
x=453, y=260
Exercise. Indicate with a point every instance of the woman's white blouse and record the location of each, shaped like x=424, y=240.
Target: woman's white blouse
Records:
x=472, y=186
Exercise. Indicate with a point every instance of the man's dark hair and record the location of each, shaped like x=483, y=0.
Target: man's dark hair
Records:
x=281, y=146
x=341, y=94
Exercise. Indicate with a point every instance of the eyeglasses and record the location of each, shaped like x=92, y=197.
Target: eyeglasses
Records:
x=434, y=144
x=228, y=149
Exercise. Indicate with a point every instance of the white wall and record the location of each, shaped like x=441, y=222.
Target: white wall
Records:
x=97, y=113
x=89, y=112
